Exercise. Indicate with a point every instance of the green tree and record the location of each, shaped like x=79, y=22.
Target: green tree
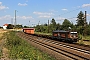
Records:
x=1, y=27
x=45, y=24
x=52, y=25
x=41, y=28
x=19, y=26
x=58, y=26
x=10, y=26
x=66, y=24
x=37, y=28
x=26, y=26
x=53, y=22
x=80, y=19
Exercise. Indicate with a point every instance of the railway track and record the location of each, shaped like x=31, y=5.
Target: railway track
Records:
x=58, y=49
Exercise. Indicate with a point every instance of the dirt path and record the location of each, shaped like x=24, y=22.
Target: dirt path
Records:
x=4, y=51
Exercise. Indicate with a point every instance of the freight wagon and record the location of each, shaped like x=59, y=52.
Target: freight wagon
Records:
x=28, y=30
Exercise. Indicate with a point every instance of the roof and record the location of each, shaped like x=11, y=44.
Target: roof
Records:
x=60, y=31
x=5, y=24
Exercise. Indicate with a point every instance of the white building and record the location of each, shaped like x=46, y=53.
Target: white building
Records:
x=5, y=26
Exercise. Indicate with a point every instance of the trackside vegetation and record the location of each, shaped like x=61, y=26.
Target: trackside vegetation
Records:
x=20, y=49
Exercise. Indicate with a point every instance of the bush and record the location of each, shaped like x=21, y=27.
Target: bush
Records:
x=12, y=39
x=87, y=31
x=20, y=49
x=10, y=26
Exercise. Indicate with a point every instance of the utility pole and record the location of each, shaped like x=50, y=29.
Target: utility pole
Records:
x=48, y=26
x=85, y=23
x=39, y=27
x=85, y=19
x=29, y=23
x=15, y=19
x=38, y=22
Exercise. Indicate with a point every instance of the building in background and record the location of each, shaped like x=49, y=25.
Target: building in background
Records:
x=5, y=26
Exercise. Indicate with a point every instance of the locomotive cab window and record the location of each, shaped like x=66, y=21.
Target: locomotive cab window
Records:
x=73, y=34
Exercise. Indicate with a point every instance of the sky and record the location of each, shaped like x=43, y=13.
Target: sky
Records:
x=33, y=12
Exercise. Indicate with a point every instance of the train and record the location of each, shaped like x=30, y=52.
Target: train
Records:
x=62, y=35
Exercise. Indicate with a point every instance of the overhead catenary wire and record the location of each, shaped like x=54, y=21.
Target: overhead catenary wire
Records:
x=70, y=12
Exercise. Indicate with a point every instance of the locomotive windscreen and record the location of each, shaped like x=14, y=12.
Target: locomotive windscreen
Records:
x=73, y=34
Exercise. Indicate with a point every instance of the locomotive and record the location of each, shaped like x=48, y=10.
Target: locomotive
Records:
x=65, y=35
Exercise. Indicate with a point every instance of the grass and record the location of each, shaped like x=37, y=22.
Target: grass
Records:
x=0, y=51
x=1, y=34
x=20, y=49
x=86, y=37
x=84, y=42
x=43, y=33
